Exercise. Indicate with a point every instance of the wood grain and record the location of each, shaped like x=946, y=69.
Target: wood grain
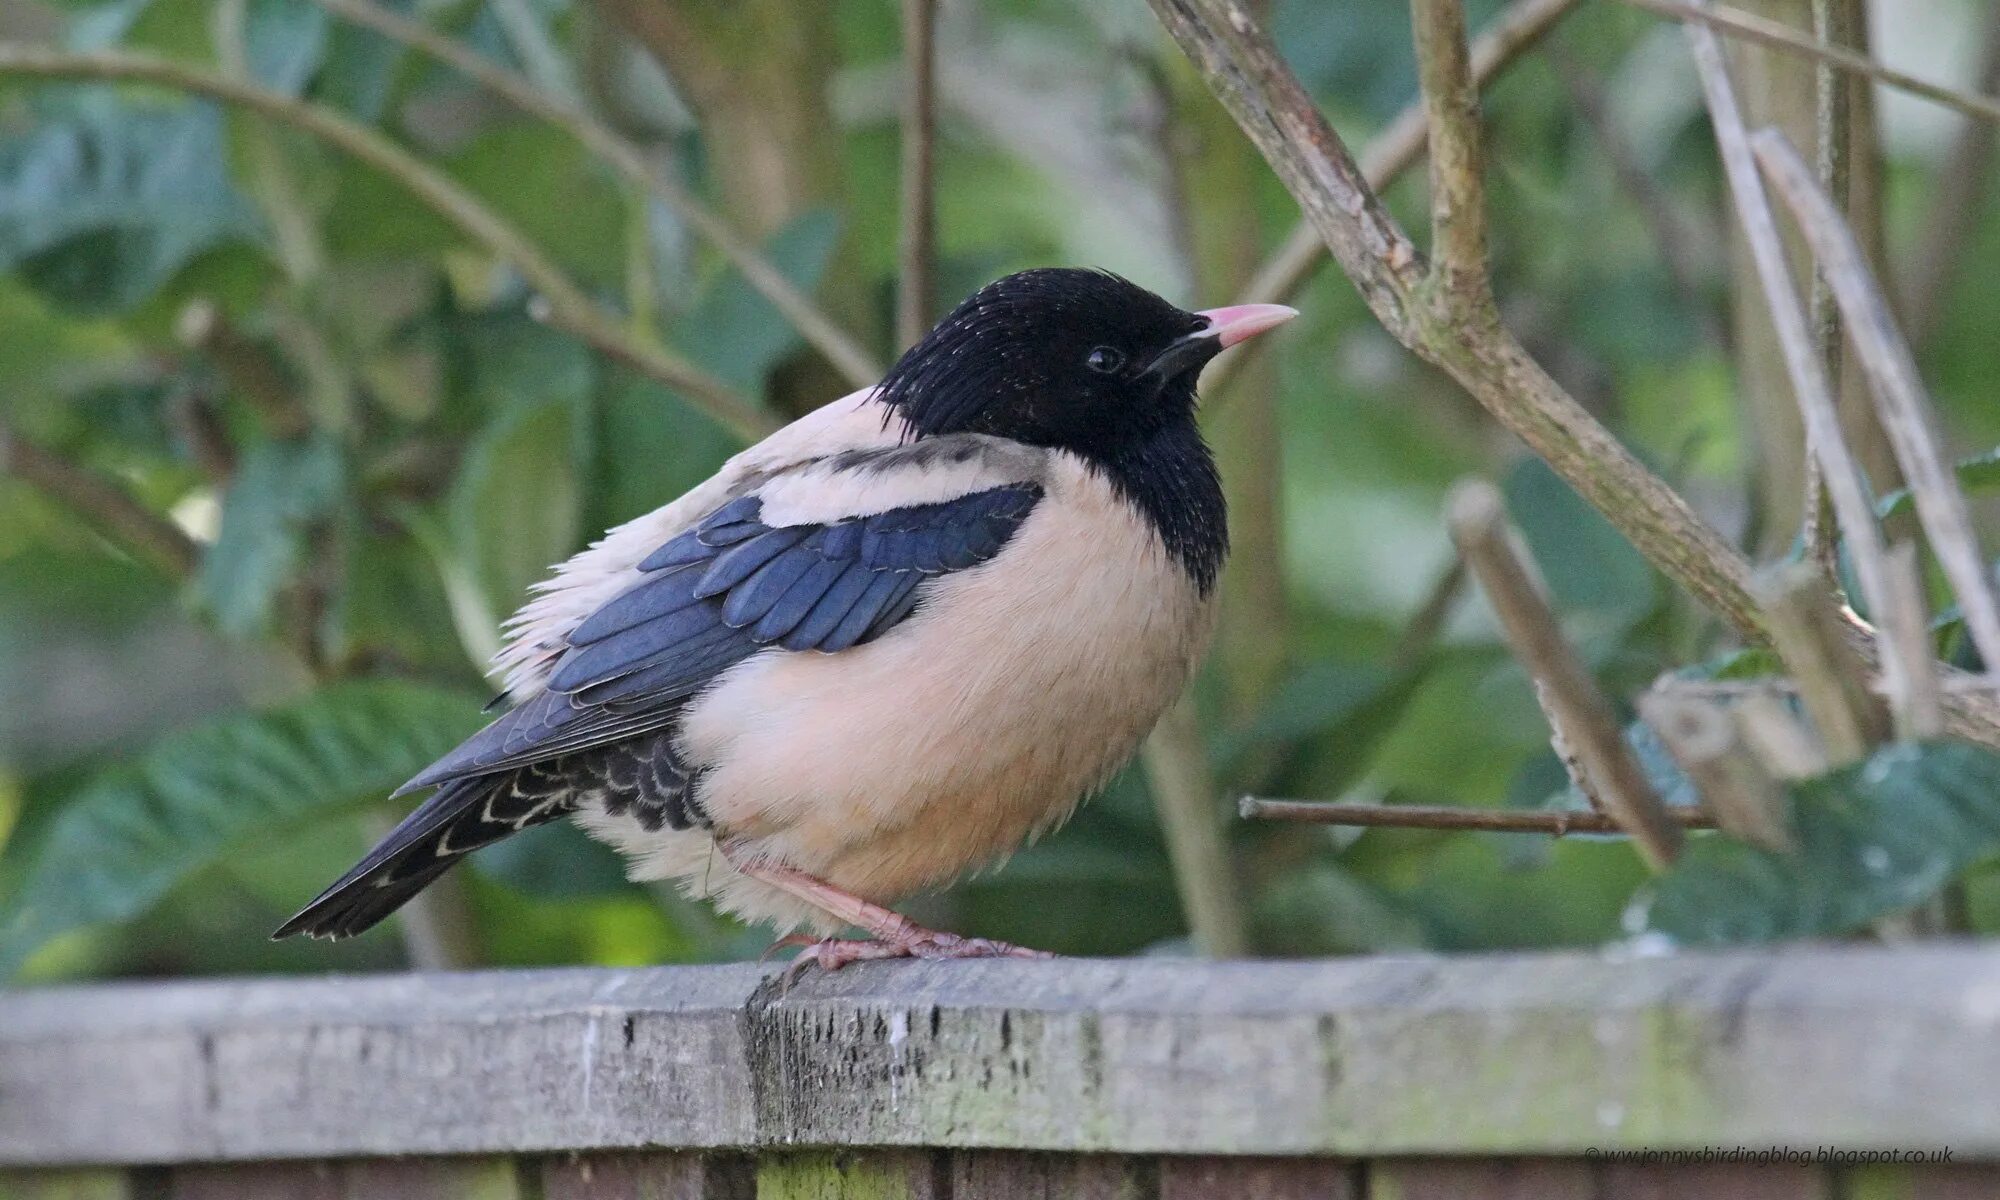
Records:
x=1021, y=1175
x=1536, y=1054
x=657, y=1176
x=1713, y=1181
x=1185, y=1178
x=1477, y=1179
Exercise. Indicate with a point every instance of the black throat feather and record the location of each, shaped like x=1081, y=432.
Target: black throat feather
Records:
x=1170, y=477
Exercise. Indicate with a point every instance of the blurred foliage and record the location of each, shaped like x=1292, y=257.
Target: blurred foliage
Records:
x=354, y=412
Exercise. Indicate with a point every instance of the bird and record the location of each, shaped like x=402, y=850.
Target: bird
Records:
x=883, y=647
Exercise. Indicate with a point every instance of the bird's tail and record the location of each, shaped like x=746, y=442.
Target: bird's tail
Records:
x=459, y=818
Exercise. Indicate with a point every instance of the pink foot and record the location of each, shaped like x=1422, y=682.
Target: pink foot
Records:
x=831, y=954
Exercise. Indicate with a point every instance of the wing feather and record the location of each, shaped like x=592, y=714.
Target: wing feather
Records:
x=730, y=587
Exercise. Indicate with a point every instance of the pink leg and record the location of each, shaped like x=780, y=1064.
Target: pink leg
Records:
x=893, y=935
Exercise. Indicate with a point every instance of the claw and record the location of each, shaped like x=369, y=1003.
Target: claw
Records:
x=831, y=954
x=785, y=943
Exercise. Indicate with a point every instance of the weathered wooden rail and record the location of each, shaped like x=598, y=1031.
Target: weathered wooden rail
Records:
x=1515, y=1076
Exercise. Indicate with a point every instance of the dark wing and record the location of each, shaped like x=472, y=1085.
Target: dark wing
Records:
x=645, y=778
x=723, y=591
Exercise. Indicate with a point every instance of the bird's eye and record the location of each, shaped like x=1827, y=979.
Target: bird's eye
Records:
x=1105, y=360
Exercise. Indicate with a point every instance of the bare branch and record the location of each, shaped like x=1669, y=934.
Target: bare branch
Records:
x=1779, y=740
x=1733, y=785
x=1782, y=37
x=856, y=365
x=1458, y=161
x=916, y=250
x=1577, y=709
x=568, y=307
x=1267, y=101
x=1833, y=152
x=1832, y=680
x=1398, y=147
x=1900, y=400
x=1438, y=816
x=1844, y=480
x=103, y=503
x=1175, y=760
x=1918, y=703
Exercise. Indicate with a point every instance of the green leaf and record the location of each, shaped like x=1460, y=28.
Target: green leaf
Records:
x=1874, y=839
x=135, y=830
x=278, y=488
x=515, y=503
x=103, y=203
x=1980, y=473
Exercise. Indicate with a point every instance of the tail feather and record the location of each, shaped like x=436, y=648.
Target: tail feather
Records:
x=460, y=817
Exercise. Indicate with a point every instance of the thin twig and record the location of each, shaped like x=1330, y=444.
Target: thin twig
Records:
x=1845, y=482
x=1733, y=785
x=1832, y=137
x=1900, y=401
x=855, y=364
x=1185, y=793
x=1438, y=816
x=1918, y=704
x=103, y=503
x=1576, y=707
x=567, y=306
x=1832, y=681
x=1771, y=33
x=916, y=248
x=1398, y=147
x=1269, y=104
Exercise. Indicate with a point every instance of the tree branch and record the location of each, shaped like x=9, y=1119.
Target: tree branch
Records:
x=1398, y=147
x=1580, y=716
x=1438, y=816
x=568, y=307
x=1832, y=681
x=103, y=503
x=1246, y=72
x=1843, y=477
x=856, y=365
x=1900, y=400
x=916, y=247
x=1733, y=785
x=1458, y=161
x=1783, y=37
x=1918, y=707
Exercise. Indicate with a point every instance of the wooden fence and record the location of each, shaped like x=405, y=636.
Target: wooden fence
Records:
x=1509, y=1076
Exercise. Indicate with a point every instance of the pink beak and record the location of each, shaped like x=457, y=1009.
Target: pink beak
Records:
x=1241, y=322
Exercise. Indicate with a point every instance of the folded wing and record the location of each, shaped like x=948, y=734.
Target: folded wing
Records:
x=726, y=589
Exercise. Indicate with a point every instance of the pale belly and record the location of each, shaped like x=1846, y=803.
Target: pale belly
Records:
x=1016, y=689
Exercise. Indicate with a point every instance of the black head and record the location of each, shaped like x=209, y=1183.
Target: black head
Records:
x=1081, y=360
